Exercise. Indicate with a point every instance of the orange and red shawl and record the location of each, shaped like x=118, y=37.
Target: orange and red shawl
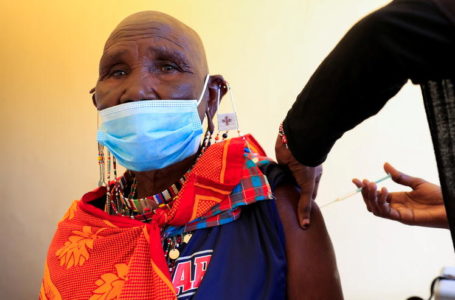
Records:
x=98, y=256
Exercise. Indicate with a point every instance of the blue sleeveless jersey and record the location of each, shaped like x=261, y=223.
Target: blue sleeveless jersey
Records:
x=244, y=259
x=241, y=260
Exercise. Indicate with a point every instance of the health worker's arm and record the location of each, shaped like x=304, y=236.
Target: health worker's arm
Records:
x=403, y=40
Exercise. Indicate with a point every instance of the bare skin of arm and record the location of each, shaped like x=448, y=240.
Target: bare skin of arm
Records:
x=312, y=269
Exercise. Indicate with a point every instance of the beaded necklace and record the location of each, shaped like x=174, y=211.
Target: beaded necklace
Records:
x=143, y=209
x=139, y=208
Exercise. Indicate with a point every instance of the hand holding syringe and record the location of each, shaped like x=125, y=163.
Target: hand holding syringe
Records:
x=352, y=193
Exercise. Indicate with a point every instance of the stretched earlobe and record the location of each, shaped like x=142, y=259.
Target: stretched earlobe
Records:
x=92, y=91
x=217, y=85
x=210, y=125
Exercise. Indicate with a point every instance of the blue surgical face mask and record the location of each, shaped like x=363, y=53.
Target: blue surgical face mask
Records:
x=151, y=134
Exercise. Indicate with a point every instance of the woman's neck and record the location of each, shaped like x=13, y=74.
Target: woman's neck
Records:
x=152, y=182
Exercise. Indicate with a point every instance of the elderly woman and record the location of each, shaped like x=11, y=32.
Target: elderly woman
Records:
x=190, y=218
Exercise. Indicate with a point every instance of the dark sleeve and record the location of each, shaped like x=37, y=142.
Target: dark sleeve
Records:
x=277, y=175
x=407, y=39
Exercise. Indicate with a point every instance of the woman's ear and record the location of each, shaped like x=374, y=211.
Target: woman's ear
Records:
x=217, y=88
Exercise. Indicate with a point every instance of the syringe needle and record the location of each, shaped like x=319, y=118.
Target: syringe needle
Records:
x=341, y=198
x=353, y=192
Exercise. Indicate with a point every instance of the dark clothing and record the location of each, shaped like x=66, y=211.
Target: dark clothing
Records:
x=407, y=39
x=447, y=7
x=245, y=259
x=439, y=99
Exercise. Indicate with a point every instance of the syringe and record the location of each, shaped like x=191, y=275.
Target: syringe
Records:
x=353, y=192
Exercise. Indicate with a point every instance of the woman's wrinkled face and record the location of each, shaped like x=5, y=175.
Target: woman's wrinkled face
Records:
x=150, y=61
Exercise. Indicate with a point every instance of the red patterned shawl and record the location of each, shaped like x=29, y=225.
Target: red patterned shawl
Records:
x=98, y=256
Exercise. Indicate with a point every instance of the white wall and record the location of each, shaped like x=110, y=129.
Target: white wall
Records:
x=267, y=50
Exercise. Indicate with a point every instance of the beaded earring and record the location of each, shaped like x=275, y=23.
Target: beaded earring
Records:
x=108, y=205
x=101, y=181
x=207, y=141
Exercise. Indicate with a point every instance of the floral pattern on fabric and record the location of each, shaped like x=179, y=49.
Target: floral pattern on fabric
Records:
x=74, y=252
x=110, y=285
x=86, y=259
x=69, y=215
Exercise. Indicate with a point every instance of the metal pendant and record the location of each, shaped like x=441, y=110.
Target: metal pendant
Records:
x=174, y=254
x=187, y=237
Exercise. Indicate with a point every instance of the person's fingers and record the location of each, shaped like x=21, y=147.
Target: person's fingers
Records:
x=281, y=154
x=365, y=195
x=402, y=178
x=304, y=209
x=305, y=178
x=373, y=198
x=316, y=186
x=384, y=206
x=357, y=183
x=390, y=197
x=382, y=198
x=389, y=169
x=365, y=192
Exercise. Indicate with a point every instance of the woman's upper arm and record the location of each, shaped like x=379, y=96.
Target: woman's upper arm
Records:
x=312, y=269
